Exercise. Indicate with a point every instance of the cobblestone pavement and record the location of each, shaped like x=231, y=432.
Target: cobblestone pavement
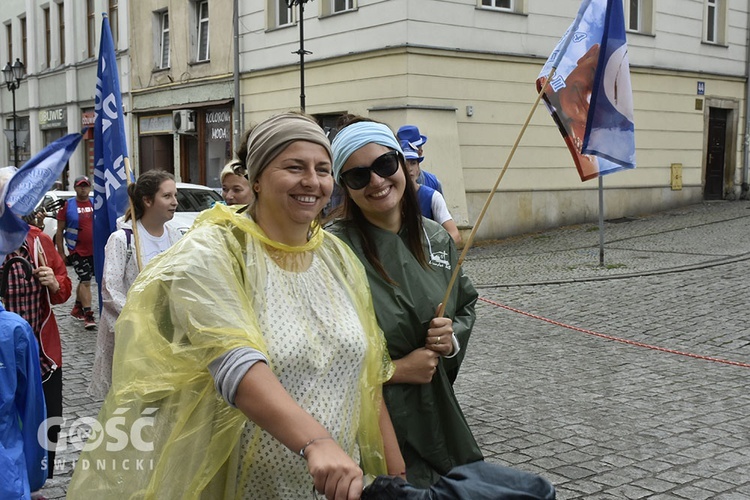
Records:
x=595, y=402
x=695, y=235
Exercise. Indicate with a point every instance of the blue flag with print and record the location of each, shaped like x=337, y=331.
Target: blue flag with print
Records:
x=27, y=187
x=590, y=96
x=110, y=150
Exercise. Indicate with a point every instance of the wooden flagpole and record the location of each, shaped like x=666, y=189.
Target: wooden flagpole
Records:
x=470, y=239
x=563, y=47
x=601, y=221
x=132, y=214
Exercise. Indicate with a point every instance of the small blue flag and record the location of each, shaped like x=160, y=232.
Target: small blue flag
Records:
x=13, y=231
x=27, y=187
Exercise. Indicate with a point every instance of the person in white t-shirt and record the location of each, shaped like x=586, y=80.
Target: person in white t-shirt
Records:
x=154, y=201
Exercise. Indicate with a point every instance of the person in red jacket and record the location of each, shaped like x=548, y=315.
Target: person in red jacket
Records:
x=75, y=231
x=32, y=300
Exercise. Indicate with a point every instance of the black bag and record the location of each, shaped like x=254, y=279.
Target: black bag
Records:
x=475, y=481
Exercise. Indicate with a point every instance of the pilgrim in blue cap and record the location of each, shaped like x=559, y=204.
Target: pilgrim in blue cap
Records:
x=411, y=134
x=410, y=138
x=410, y=153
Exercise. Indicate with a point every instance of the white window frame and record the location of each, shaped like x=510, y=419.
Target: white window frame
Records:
x=278, y=7
x=114, y=21
x=716, y=11
x=91, y=29
x=347, y=5
x=712, y=21
x=629, y=14
x=48, y=36
x=496, y=4
x=61, y=29
x=644, y=14
x=329, y=7
x=201, y=7
x=164, y=39
x=514, y=6
x=8, y=28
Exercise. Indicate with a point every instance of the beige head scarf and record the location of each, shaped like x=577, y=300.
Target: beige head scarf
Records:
x=271, y=136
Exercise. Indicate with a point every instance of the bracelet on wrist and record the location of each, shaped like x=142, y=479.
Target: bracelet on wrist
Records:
x=302, y=450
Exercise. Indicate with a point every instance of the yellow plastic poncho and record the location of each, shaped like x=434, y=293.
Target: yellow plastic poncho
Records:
x=167, y=433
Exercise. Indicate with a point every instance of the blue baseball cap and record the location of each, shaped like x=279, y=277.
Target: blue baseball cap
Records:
x=410, y=153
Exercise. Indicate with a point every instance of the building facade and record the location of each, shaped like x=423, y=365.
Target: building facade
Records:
x=464, y=72
x=183, y=87
x=58, y=43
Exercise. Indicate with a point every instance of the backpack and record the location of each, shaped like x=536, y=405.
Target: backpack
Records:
x=128, y=235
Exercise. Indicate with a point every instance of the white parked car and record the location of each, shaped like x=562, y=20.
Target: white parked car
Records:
x=192, y=199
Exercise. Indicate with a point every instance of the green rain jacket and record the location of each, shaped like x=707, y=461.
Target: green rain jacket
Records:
x=432, y=431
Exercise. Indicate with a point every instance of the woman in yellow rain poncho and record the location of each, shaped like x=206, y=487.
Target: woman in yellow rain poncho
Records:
x=248, y=357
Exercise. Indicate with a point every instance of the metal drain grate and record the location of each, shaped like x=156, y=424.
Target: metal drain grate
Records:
x=621, y=220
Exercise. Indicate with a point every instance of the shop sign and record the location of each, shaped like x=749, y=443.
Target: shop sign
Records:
x=217, y=124
x=53, y=118
x=156, y=124
x=88, y=118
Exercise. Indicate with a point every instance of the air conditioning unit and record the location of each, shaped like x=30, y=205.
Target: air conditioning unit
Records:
x=183, y=121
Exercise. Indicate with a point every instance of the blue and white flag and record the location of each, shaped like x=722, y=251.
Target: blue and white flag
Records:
x=590, y=96
x=110, y=150
x=27, y=187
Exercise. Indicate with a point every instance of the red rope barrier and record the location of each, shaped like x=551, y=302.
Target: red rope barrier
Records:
x=617, y=339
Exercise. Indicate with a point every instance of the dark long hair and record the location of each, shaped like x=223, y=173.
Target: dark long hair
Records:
x=146, y=186
x=411, y=215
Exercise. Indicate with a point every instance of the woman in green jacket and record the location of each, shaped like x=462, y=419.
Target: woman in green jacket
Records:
x=409, y=261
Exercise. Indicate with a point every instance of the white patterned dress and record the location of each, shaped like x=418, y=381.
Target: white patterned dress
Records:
x=119, y=272
x=307, y=313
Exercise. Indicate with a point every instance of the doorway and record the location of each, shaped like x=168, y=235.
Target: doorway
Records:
x=155, y=152
x=716, y=154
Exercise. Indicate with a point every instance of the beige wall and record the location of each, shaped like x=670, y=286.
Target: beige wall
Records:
x=183, y=68
x=675, y=42
x=442, y=151
x=186, y=84
x=541, y=187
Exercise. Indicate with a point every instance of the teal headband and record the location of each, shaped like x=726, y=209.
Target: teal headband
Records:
x=354, y=136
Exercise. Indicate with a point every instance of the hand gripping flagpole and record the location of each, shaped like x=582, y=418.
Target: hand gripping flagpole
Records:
x=470, y=239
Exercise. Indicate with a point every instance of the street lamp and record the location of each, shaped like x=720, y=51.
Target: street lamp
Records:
x=301, y=51
x=13, y=76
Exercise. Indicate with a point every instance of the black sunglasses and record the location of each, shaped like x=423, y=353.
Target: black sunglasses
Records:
x=384, y=165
